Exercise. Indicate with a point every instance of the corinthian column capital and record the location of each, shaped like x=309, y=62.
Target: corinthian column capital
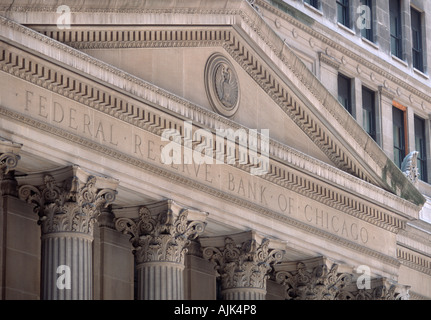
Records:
x=243, y=261
x=162, y=231
x=8, y=161
x=68, y=199
x=382, y=289
x=323, y=282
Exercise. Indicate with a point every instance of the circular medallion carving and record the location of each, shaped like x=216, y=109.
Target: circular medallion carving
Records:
x=221, y=85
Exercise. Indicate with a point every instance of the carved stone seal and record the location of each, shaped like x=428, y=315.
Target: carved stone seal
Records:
x=221, y=85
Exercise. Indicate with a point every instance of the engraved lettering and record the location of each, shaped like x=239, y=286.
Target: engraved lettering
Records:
x=241, y=187
x=354, y=231
x=344, y=230
x=208, y=173
x=72, y=120
x=171, y=153
x=28, y=96
x=87, y=122
x=262, y=195
x=150, y=150
x=42, y=107
x=138, y=143
x=364, y=235
x=100, y=129
x=319, y=217
x=305, y=212
x=203, y=152
x=251, y=190
x=58, y=113
x=111, y=141
x=196, y=169
x=231, y=185
x=282, y=202
x=333, y=225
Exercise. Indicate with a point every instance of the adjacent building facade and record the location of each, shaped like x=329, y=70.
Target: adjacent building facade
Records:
x=215, y=150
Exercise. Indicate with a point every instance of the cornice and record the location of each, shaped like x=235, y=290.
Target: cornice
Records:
x=199, y=187
x=187, y=109
x=251, y=65
x=349, y=53
x=77, y=89
x=310, y=123
x=341, y=148
x=414, y=260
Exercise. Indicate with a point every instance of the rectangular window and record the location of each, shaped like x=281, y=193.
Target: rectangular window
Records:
x=369, y=112
x=313, y=3
x=343, y=12
x=396, y=29
x=399, y=131
x=416, y=18
x=420, y=146
x=367, y=22
x=344, y=92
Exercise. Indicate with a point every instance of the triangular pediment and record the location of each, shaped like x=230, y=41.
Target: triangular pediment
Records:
x=170, y=49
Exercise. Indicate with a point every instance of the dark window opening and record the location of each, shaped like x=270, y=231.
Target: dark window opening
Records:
x=369, y=112
x=417, y=47
x=313, y=3
x=344, y=92
x=400, y=145
x=396, y=28
x=367, y=23
x=420, y=146
x=343, y=12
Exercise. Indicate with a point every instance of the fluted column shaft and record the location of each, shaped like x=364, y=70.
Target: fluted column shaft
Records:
x=160, y=236
x=73, y=254
x=244, y=294
x=68, y=202
x=160, y=281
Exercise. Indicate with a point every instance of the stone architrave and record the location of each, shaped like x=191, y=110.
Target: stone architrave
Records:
x=321, y=283
x=68, y=202
x=160, y=237
x=243, y=262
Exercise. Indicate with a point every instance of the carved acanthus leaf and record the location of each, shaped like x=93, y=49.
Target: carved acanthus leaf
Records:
x=163, y=237
x=319, y=284
x=244, y=265
x=71, y=206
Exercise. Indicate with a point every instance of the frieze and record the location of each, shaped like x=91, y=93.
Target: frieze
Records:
x=198, y=186
x=335, y=153
x=89, y=124
x=106, y=134
x=126, y=112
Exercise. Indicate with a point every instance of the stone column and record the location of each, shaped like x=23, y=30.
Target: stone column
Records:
x=8, y=191
x=381, y=289
x=8, y=183
x=243, y=262
x=68, y=203
x=160, y=236
x=323, y=282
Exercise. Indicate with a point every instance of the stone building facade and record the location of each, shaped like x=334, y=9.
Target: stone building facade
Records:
x=224, y=149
